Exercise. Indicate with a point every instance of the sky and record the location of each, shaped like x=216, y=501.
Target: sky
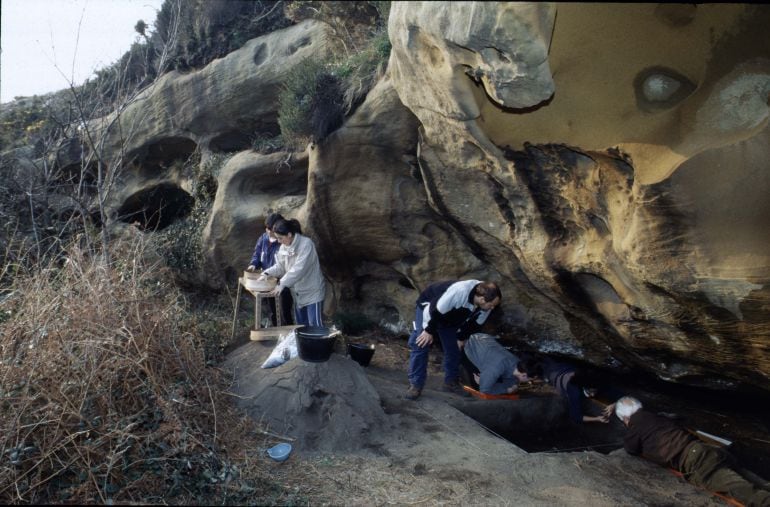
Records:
x=37, y=36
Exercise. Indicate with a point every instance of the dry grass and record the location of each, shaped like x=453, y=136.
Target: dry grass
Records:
x=106, y=395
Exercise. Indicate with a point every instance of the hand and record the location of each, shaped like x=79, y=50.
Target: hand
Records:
x=262, y=277
x=276, y=291
x=424, y=339
x=512, y=389
x=460, y=344
x=251, y=268
x=477, y=377
x=609, y=410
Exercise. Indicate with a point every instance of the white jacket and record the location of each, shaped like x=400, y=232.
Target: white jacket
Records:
x=298, y=268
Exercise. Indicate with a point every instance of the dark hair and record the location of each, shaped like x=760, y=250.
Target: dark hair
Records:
x=489, y=291
x=284, y=226
x=532, y=366
x=271, y=219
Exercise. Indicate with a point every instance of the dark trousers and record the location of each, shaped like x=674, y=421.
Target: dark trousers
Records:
x=418, y=356
x=711, y=467
x=467, y=369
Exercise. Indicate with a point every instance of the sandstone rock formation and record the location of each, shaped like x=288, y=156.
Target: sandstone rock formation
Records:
x=606, y=163
x=216, y=110
x=596, y=187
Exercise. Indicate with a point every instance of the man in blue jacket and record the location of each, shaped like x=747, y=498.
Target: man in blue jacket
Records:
x=451, y=310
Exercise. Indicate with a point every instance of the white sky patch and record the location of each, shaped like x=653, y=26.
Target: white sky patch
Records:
x=39, y=35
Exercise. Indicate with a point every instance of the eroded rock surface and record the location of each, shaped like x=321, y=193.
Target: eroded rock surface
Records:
x=607, y=164
x=598, y=196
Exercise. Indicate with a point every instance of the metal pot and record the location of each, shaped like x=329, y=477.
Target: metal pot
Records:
x=315, y=343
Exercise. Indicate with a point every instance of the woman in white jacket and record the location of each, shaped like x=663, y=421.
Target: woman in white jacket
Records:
x=297, y=267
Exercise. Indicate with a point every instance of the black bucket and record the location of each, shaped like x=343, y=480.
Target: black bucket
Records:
x=314, y=344
x=361, y=353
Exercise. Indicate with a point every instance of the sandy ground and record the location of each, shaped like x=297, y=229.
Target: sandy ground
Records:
x=424, y=452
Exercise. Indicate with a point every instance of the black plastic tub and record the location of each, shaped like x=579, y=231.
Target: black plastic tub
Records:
x=361, y=353
x=314, y=343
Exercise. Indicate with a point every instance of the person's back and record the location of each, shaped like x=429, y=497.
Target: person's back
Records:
x=495, y=363
x=656, y=438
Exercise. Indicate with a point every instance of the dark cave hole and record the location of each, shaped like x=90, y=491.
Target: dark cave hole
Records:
x=156, y=208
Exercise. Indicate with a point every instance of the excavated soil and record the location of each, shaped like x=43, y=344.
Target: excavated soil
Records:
x=358, y=442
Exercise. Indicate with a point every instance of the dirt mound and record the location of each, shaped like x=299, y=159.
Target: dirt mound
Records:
x=323, y=406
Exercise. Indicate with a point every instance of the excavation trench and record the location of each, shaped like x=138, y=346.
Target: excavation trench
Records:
x=539, y=423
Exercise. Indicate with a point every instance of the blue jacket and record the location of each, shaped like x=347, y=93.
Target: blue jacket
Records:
x=264, y=252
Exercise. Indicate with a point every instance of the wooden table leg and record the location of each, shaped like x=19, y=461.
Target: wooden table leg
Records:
x=278, y=314
x=257, y=312
x=237, y=304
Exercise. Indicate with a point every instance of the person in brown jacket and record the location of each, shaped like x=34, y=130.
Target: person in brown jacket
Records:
x=663, y=441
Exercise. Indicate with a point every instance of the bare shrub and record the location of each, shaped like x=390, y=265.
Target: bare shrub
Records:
x=106, y=395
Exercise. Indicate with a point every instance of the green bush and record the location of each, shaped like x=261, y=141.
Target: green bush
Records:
x=361, y=70
x=317, y=95
x=310, y=104
x=181, y=242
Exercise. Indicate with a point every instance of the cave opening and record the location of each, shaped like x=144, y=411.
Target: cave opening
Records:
x=157, y=207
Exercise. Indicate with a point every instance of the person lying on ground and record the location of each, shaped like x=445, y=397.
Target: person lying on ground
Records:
x=664, y=442
x=453, y=310
x=498, y=369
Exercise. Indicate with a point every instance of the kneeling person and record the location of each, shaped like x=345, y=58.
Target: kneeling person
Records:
x=498, y=368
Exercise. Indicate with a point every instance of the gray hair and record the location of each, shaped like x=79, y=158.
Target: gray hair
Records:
x=626, y=407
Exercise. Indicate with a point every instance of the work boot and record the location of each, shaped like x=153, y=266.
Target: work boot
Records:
x=454, y=387
x=413, y=393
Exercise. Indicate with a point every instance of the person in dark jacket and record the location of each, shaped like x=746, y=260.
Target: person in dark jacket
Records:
x=575, y=385
x=451, y=310
x=664, y=442
x=264, y=257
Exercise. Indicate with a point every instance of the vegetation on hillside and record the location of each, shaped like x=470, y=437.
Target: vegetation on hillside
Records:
x=318, y=94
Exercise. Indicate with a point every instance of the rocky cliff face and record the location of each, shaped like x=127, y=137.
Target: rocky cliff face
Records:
x=607, y=164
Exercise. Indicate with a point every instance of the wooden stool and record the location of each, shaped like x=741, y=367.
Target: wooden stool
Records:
x=260, y=333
